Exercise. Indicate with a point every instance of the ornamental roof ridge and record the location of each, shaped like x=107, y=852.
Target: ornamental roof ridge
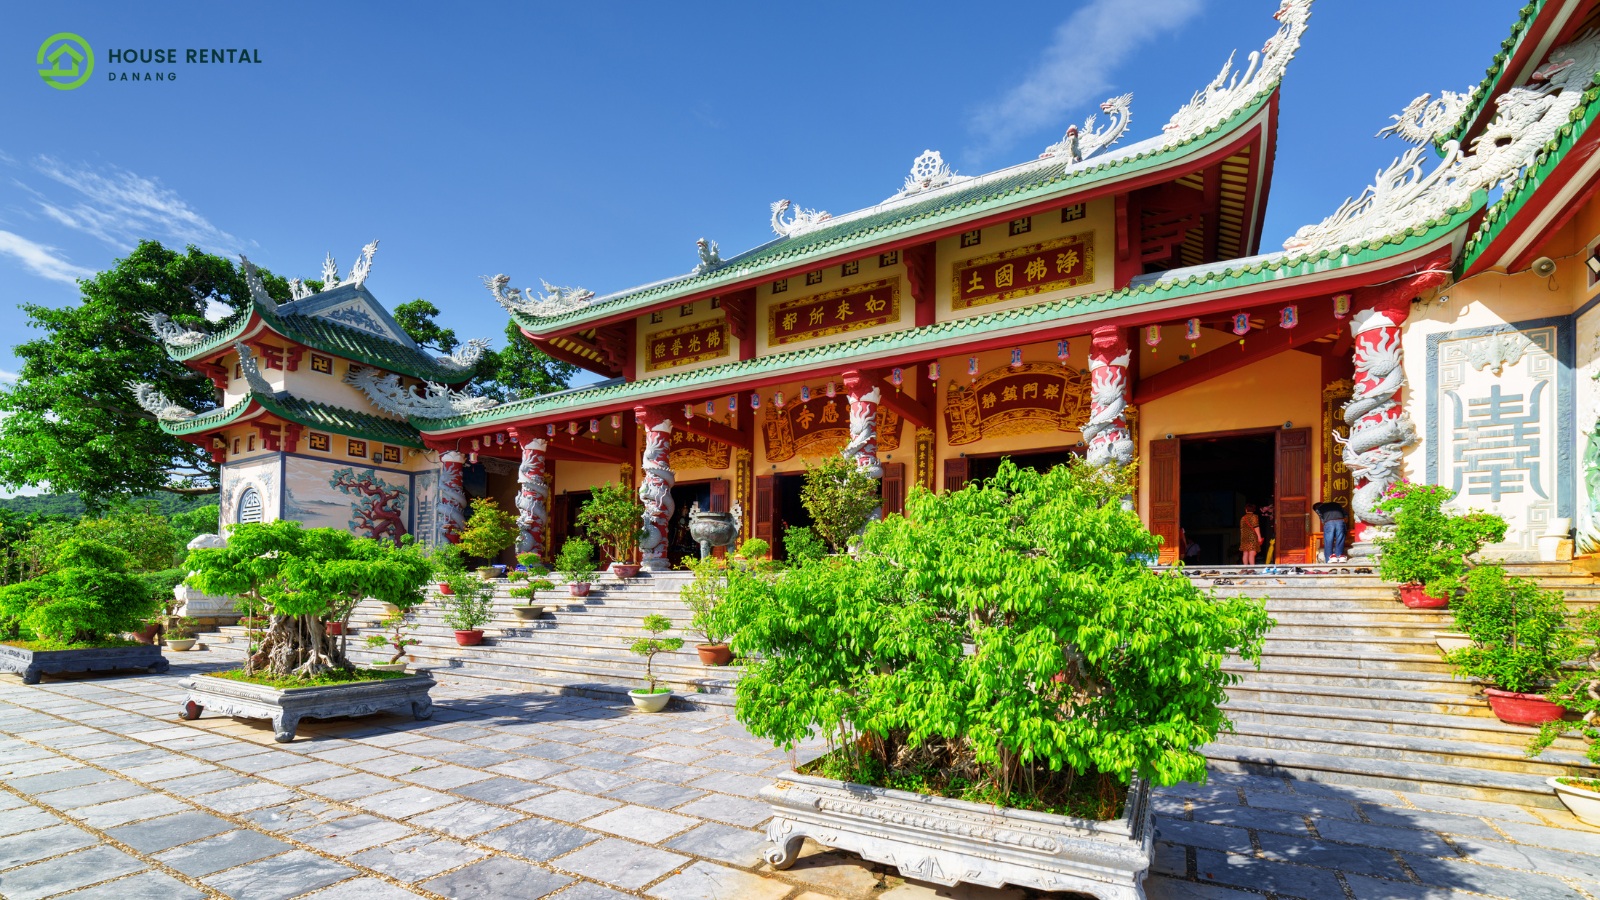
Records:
x=310, y=413
x=1480, y=94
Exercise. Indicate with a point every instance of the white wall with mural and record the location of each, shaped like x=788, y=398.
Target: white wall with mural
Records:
x=426, y=486
x=364, y=500
x=250, y=491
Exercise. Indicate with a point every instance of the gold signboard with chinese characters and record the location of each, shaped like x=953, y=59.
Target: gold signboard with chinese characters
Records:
x=1029, y=399
x=820, y=426
x=834, y=312
x=1337, y=485
x=686, y=344
x=696, y=451
x=1021, y=271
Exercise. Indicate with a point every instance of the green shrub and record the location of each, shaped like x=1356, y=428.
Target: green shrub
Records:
x=87, y=597
x=575, y=562
x=470, y=603
x=1579, y=692
x=489, y=530
x=1519, y=633
x=1431, y=546
x=162, y=584
x=650, y=646
x=614, y=517
x=533, y=562
x=1005, y=634
x=801, y=545
x=704, y=596
x=841, y=499
x=754, y=549
x=447, y=560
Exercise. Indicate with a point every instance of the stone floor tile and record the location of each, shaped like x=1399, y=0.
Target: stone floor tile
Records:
x=417, y=857
x=61, y=780
x=1203, y=834
x=502, y=790
x=352, y=787
x=530, y=769
x=405, y=802
x=222, y=752
x=31, y=846
x=671, y=773
x=714, y=840
x=585, y=890
x=704, y=879
x=496, y=877
x=1383, y=836
x=648, y=826
x=1559, y=838
x=1499, y=812
x=27, y=818
x=293, y=816
x=589, y=781
x=279, y=877
x=210, y=782
x=90, y=794
x=654, y=793
x=352, y=834
x=502, y=741
x=732, y=783
x=305, y=773
x=401, y=764
x=1170, y=859
x=56, y=876
x=349, y=754
x=466, y=818
x=556, y=750
x=141, y=757
x=1532, y=858
x=604, y=760
x=833, y=871
x=1448, y=823
x=617, y=743
x=155, y=835
x=121, y=812
x=1302, y=804
x=1368, y=888
x=567, y=806
x=445, y=777
x=1269, y=875
x=472, y=757
x=362, y=889
x=537, y=839
x=921, y=890
x=1246, y=817
x=165, y=770
x=732, y=810
x=224, y=851
x=673, y=753
x=1491, y=880
x=148, y=886
x=1158, y=887
x=37, y=767
x=1328, y=855
x=621, y=863
x=246, y=797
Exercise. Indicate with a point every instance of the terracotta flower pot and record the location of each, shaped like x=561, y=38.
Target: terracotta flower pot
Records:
x=714, y=654
x=579, y=588
x=1522, y=709
x=470, y=638
x=147, y=634
x=1412, y=596
x=334, y=628
x=445, y=590
x=625, y=570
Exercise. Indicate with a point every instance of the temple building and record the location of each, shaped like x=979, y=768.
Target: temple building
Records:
x=1107, y=300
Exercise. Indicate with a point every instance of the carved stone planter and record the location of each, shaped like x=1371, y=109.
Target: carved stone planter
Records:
x=287, y=706
x=35, y=664
x=952, y=841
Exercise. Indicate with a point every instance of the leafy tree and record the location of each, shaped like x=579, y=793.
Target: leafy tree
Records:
x=303, y=578
x=70, y=419
x=416, y=318
x=841, y=499
x=190, y=524
x=614, y=518
x=72, y=506
x=489, y=530
x=520, y=370
x=88, y=598
x=137, y=530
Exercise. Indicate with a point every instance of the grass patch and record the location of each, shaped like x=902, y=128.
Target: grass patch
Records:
x=1091, y=797
x=338, y=676
x=664, y=690
x=81, y=645
x=1588, y=784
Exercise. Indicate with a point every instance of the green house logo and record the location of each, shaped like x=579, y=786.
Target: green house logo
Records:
x=69, y=59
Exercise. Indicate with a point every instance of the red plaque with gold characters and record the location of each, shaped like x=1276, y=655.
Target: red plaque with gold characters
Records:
x=820, y=426
x=834, y=312
x=1021, y=271
x=1030, y=399
x=686, y=344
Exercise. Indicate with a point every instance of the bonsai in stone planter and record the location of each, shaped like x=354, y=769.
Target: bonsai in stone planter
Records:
x=704, y=597
x=398, y=635
x=490, y=530
x=301, y=579
x=1520, y=638
x=70, y=619
x=614, y=518
x=527, y=591
x=575, y=563
x=181, y=635
x=1005, y=661
x=467, y=608
x=1432, y=547
x=652, y=697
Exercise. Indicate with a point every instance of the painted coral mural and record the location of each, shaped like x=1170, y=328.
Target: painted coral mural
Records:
x=369, y=502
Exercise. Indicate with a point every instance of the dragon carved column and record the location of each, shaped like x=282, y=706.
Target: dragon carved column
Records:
x=452, y=496
x=533, y=498
x=655, y=490
x=864, y=396
x=1110, y=441
x=1380, y=430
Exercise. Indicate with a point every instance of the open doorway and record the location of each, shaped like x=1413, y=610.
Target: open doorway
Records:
x=788, y=511
x=984, y=467
x=1219, y=476
x=679, y=544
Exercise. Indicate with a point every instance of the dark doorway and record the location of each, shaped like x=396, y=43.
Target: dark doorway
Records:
x=984, y=467
x=789, y=511
x=1218, y=476
x=679, y=543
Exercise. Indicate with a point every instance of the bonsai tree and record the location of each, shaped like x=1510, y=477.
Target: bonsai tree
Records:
x=704, y=597
x=753, y=549
x=470, y=605
x=1002, y=643
x=532, y=562
x=1579, y=692
x=489, y=530
x=183, y=629
x=841, y=499
x=87, y=598
x=302, y=578
x=575, y=562
x=446, y=560
x=1519, y=633
x=526, y=591
x=1431, y=546
x=648, y=648
x=614, y=517
x=397, y=636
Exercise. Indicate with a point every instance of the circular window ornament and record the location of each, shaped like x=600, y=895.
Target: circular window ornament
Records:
x=249, y=507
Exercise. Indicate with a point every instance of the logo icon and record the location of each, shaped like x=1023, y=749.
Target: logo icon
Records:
x=70, y=60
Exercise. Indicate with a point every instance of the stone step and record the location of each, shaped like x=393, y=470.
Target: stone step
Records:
x=493, y=680
x=698, y=679
x=1406, y=748
x=681, y=664
x=1365, y=662
x=1272, y=672
x=1488, y=730
x=1423, y=648
x=1286, y=696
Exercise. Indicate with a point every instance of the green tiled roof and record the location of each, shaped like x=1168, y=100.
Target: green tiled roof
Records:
x=1029, y=182
x=311, y=414
x=1486, y=88
x=329, y=337
x=1515, y=197
x=1182, y=283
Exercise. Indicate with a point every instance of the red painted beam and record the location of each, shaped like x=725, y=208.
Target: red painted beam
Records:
x=1258, y=345
x=716, y=431
x=920, y=271
x=566, y=446
x=549, y=349
x=915, y=411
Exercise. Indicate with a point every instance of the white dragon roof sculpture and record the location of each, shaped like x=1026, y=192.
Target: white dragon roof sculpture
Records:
x=157, y=404
x=554, y=301
x=1220, y=100
x=437, y=401
x=1078, y=145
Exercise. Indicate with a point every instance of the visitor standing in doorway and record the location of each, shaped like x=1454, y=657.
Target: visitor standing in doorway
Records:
x=1249, y=534
x=1333, y=530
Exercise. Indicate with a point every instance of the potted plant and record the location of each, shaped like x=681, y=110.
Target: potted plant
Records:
x=1581, y=797
x=489, y=531
x=1520, y=639
x=529, y=611
x=998, y=678
x=1578, y=693
x=181, y=636
x=614, y=517
x=149, y=629
x=532, y=563
x=1432, y=547
x=397, y=637
x=754, y=550
x=653, y=698
x=841, y=499
x=703, y=596
x=468, y=608
x=334, y=629
x=446, y=561
x=575, y=562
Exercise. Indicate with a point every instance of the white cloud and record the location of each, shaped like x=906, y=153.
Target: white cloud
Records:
x=8, y=377
x=216, y=310
x=1075, y=70
x=121, y=207
x=41, y=260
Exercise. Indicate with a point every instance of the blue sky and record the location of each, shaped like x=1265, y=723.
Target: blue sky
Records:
x=591, y=144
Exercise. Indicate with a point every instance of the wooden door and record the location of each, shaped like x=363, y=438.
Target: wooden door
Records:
x=766, y=515
x=719, y=495
x=1163, y=463
x=560, y=512
x=1292, y=502
x=894, y=489
x=956, y=472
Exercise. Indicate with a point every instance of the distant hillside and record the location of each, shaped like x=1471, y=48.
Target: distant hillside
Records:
x=69, y=505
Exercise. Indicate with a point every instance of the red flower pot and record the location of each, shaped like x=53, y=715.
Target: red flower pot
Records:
x=625, y=570
x=334, y=628
x=147, y=634
x=469, y=638
x=445, y=589
x=1413, y=596
x=714, y=654
x=579, y=588
x=1523, y=709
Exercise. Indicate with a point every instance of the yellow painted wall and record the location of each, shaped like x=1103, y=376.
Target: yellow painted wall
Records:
x=699, y=311
x=1099, y=220
x=572, y=476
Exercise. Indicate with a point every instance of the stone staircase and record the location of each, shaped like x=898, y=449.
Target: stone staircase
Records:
x=1351, y=690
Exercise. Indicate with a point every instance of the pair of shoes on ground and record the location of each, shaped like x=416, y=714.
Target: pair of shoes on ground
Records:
x=1339, y=559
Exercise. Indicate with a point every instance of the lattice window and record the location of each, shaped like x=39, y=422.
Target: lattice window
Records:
x=249, y=506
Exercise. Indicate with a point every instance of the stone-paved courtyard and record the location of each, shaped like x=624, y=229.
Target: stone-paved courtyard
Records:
x=515, y=794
